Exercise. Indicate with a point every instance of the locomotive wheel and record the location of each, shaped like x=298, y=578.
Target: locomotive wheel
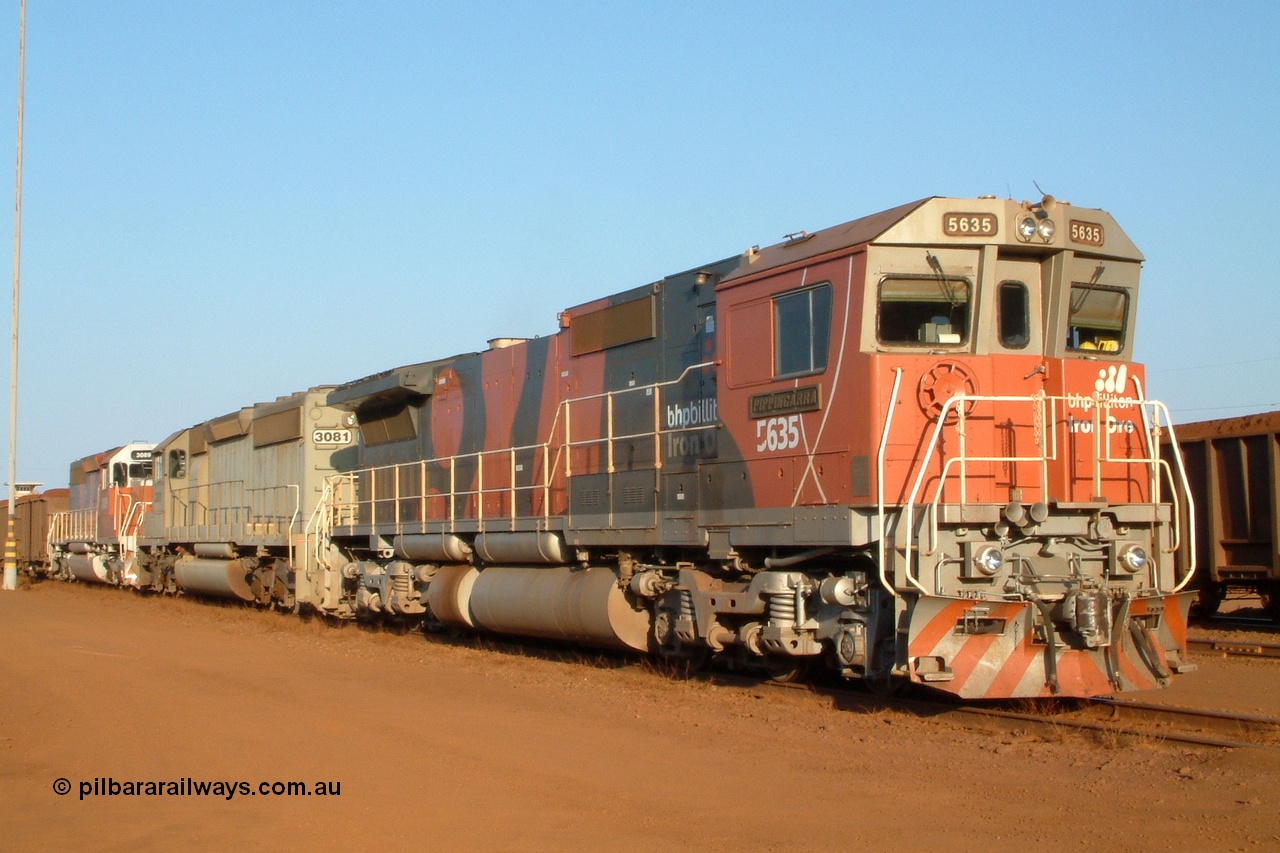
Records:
x=1208, y=599
x=785, y=669
x=682, y=667
x=884, y=686
x=1270, y=596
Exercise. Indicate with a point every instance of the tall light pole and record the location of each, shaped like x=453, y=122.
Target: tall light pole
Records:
x=10, y=542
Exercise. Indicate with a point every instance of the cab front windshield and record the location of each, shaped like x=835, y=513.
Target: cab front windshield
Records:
x=1097, y=317
x=924, y=311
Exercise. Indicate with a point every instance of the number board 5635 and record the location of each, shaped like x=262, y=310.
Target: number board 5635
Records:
x=969, y=224
x=1089, y=233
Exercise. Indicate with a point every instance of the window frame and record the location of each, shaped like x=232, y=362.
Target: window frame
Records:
x=177, y=467
x=815, y=366
x=1122, y=332
x=1026, y=313
x=966, y=336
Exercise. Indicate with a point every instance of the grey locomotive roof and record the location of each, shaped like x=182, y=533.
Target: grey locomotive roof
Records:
x=237, y=422
x=288, y=401
x=159, y=448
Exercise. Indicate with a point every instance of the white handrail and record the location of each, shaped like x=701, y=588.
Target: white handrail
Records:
x=128, y=531
x=880, y=454
x=74, y=525
x=316, y=525
x=1186, y=486
x=229, y=502
x=1102, y=453
x=908, y=510
x=293, y=521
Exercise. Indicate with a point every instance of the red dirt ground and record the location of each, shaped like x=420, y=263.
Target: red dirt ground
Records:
x=459, y=747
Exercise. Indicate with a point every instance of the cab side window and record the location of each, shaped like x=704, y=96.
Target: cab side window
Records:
x=802, y=331
x=177, y=464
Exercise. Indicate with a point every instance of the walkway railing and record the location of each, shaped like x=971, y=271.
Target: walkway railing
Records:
x=76, y=525
x=513, y=483
x=220, y=507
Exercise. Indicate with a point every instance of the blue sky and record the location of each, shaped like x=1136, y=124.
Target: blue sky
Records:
x=228, y=201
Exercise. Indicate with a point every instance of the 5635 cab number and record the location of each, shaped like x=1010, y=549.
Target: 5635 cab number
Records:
x=1089, y=233
x=777, y=434
x=969, y=224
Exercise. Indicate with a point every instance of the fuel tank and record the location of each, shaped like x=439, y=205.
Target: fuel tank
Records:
x=223, y=578
x=450, y=593
x=88, y=567
x=525, y=547
x=580, y=605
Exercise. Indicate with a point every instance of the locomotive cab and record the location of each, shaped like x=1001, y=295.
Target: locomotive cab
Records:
x=1033, y=545
x=950, y=396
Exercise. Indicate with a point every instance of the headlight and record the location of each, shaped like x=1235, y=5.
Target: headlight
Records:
x=1046, y=228
x=988, y=560
x=1027, y=227
x=1133, y=558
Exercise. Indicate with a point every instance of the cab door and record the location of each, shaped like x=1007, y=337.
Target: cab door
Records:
x=1013, y=318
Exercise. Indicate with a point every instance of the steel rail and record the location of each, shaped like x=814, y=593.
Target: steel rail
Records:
x=1225, y=722
x=1234, y=648
x=1111, y=718
x=1246, y=622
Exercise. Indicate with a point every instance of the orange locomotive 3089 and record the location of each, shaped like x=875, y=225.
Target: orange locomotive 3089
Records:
x=911, y=447
x=95, y=539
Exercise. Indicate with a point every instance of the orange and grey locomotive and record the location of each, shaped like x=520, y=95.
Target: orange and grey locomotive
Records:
x=95, y=538
x=911, y=447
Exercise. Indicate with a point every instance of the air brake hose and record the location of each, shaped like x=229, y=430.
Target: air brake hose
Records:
x=784, y=562
x=1142, y=639
x=1051, y=652
x=1119, y=618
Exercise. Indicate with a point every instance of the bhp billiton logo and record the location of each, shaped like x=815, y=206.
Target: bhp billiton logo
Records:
x=1108, y=386
x=1111, y=380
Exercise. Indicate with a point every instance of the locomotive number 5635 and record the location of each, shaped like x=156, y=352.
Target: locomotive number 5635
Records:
x=778, y=433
